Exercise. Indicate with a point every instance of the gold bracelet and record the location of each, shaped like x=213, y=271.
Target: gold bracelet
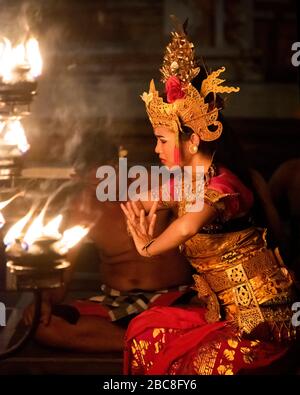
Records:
x=146, y=247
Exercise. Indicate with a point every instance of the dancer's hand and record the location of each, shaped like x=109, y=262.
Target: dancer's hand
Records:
x=140, y=226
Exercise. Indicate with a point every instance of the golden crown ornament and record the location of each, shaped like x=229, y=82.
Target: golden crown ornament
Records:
x=185, y=104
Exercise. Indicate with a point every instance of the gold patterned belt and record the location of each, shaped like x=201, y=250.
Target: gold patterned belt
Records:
x=235, y=290
x=263, y=262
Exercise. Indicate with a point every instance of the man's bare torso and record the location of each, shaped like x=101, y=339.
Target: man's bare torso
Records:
x=121, y=266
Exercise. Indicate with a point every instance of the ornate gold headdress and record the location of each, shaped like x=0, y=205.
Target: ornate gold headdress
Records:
x=185, y=104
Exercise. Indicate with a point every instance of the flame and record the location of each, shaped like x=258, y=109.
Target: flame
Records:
x=72, y=236
x=2, y=126
x=14, y=134
x=18, y=55
x=35, y=230
x=6, y=202
x=5, y=60
x=34, y=57
x=25, y=56
x=15, y=231
x=2, y=220
x=51, y=229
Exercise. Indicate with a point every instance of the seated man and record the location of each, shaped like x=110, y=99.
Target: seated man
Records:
x=285, y=191
x=130, y=283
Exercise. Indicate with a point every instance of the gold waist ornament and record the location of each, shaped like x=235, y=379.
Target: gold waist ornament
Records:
x=252, y=290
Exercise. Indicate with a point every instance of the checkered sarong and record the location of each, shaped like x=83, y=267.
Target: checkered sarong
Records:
x=122, y=304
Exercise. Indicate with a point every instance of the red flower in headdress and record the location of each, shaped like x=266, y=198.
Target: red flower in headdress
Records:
x=174, y=89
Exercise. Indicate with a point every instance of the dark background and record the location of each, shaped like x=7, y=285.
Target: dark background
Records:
x=99, y=56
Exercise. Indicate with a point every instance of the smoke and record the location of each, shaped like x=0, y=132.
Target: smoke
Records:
x=84, y=85
x=18, y=18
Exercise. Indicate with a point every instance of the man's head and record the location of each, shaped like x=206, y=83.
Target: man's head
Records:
x=95, y=149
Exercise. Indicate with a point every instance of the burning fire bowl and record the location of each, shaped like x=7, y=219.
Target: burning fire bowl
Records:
x=41, y=266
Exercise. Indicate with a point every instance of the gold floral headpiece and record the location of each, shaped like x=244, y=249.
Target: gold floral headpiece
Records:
x=185, y=104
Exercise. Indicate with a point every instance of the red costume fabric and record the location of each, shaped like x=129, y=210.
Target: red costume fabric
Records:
x=236, y=273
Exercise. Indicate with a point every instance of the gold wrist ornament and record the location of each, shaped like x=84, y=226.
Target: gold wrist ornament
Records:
x=146, y=247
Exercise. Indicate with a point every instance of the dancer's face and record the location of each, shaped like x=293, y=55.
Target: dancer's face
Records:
x=165, y=145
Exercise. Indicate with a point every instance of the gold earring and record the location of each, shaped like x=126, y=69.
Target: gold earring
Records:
x=193, y=149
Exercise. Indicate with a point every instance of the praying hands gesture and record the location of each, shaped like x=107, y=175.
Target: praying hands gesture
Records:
x=140, y=226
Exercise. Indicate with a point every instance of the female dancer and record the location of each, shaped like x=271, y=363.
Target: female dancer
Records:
x=243, y=321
